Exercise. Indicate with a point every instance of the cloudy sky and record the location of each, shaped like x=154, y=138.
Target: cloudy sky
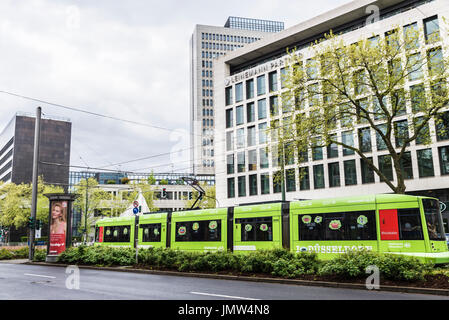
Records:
x=125, y=59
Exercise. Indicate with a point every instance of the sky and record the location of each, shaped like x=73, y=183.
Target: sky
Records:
x=123, y=59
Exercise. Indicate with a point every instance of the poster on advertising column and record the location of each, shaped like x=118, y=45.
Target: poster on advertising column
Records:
x=59, y=224
x=58, y=227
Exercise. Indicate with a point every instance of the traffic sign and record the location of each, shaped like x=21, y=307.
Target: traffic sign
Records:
x=136, y=210
x=136, y=204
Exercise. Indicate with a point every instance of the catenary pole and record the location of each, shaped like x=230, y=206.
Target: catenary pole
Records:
x=37, y=131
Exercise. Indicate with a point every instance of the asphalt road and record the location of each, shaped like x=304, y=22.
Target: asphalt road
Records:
x=32, y=282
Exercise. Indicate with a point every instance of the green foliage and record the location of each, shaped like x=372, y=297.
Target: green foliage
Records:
x=15, y=203
x=208, y=201
x=40, y=255
x=391, y=266
x=346, y=85
x=21, y=253
x=277, y=262
x=163, y=182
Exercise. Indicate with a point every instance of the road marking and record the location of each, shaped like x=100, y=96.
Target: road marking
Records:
x=39, y=275
x=222, y=296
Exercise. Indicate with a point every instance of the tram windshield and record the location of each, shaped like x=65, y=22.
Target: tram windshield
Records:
x=434, y=221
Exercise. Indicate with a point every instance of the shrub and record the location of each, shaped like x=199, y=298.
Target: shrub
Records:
x=391, y=266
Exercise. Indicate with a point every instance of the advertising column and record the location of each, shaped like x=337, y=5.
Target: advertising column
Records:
x=60, y=226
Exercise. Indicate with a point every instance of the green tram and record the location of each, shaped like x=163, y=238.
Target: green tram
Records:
x=388, y=223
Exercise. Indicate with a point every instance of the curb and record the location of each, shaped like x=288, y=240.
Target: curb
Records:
x=441, y=292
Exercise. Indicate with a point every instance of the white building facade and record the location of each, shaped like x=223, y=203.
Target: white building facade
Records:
x=206, y=45
x=247, y=84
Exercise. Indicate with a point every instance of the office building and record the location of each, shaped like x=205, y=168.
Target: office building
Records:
x=17, y=150
x=208, y=43
x=247, y=84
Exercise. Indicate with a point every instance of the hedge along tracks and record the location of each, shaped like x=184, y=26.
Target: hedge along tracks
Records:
x=343, y=285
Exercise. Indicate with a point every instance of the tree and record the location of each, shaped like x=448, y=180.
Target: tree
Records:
x=15, y=203
x=207, y=202
x=147, y=191
x=164, y=182
x=151, y=179
x=392, y=86
x=90, y=198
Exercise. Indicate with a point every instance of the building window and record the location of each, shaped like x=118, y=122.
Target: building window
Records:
x=228, y=95
x=443, y=153
x=406, y=165
x=242, y=186
x=229, y=140
x=253, y=185
x=262, y=109
x=261, y=85
x=263, y=158
x=425, y=163
x=318, y=176
x=350, y=172
x=290, y=180
x=332, y=149
x=252, y=160
x=417, y=97
x=432, y=29
x=414, y=67
x=334, y=174
x=386, y=166
x=250, y=89
x=272, y=81
x=231, y=188
x=230, y=163
x=365, y=139
x=241, y=161
x=442, y=126
x=239, y=115
x=435, y=62
x=250, y=112
x=277, y=184
x=265, y=183
x=367, y=172
x=274, y=106
x=304, y=180
x=401, y=133
x=283, y=77
x=317, y=152
x=251, y=136
x=240, y=138
x=239, y=92
x=411, y=36
x=347, y=138
x=380, y=143
x=423, y=136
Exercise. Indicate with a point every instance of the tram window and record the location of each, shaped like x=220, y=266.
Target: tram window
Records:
x=256, y=229
x=356, y=225
x=311, y=227
x=208, y=230
x=117, y=234
x=410, y=224
x=433, y=220
x=151, y=232
x=361, y=225
x=335, y=226
x=97, y=234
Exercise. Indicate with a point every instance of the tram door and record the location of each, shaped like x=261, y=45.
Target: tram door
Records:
x=388, y=220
